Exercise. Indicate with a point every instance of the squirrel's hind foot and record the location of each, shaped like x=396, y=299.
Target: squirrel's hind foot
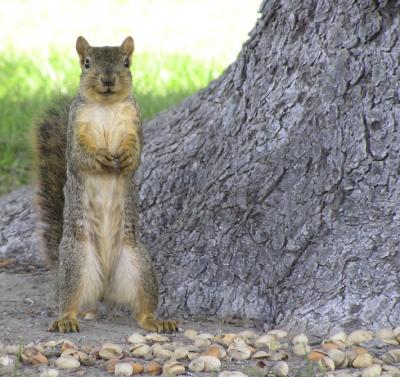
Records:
x=160, y=326
x=65, y=325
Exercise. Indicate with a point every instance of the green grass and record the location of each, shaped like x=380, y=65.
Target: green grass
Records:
x=28, y=83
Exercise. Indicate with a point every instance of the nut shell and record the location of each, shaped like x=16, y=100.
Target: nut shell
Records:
x=227, y=339
x=301, y=349
x=197, y=365
x=384, y=333
x=227, y=373
x=180, y=353
x=137, y=368
x=211, y=363
x=123, y=369
x=281, y=369
x=7, y=362
x=174, y=368
x=215, y=350
x=249, y=335
x=359, y=336
x=140, y=350
x=32, y=356
x=239, y=351
x=190, y=334
x=300, y=339
x=363, y=361
x=193, y=355
x=279, y=355
x=50, y=373
x=373, y=370
x=260, y=355
x=340, y=336
x=392, y=356
x=67, y=344
x=205, y=335
x=278, y=334
x=110, y=351
x=153, y=368
x=155, y=337
x=161, y=352
x=339, y=358
x=67, y=362
x=326, y=363
x=316, y=355
x=269, y=341
x=109, y=365
x=202, y=342
x=137, y=338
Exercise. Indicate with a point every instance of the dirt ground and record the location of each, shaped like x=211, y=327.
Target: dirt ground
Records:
x=28, y=306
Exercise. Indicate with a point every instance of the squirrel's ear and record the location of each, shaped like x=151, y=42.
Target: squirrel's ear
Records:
x=128, y=46
x=81, y=46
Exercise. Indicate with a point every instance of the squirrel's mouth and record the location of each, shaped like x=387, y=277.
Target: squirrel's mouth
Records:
x=107, y=93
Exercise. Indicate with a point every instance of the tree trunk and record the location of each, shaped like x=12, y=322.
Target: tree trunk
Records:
x=273, y=193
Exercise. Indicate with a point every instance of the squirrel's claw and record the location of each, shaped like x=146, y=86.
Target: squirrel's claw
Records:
x=64, y=325
x=105, y=160
x=159, y=326
x=170, y=326
x=125, y=160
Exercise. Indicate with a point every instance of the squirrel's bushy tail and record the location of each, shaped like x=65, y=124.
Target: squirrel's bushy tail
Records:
x=51, y=140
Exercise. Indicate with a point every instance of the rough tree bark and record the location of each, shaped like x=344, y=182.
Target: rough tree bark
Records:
x=274, y=193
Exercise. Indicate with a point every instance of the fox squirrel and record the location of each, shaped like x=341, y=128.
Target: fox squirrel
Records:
x=87, y=196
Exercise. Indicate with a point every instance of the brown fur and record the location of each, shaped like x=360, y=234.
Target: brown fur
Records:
x=50, y=145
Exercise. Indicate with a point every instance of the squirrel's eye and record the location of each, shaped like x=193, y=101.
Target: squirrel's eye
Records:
x=87, y=63
x=126, y=63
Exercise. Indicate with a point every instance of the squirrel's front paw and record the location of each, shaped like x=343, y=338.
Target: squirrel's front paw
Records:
x=106, y=161
x=65, y=325
x=159, y=326
x=127, y=161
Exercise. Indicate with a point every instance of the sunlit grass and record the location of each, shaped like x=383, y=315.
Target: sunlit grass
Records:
x=28, y=83
x=180, y=46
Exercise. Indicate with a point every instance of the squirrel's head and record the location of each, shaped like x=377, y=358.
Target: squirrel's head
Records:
x=106, y=75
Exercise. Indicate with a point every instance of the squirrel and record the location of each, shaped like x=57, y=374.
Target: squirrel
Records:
x=87, y=195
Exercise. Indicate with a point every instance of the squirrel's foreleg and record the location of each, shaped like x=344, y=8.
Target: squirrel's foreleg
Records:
x=129, y=151
x=90, y=157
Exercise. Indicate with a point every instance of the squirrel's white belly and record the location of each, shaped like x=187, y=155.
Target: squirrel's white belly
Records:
x=103, y=208
x=109, y=125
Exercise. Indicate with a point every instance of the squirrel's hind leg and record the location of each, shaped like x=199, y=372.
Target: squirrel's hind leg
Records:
x=145, y=305
x=78, y=283
x=69, y=299
x=134, y=283
x=144, y=314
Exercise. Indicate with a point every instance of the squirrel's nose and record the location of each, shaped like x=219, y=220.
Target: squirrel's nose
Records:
x=108, y=80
